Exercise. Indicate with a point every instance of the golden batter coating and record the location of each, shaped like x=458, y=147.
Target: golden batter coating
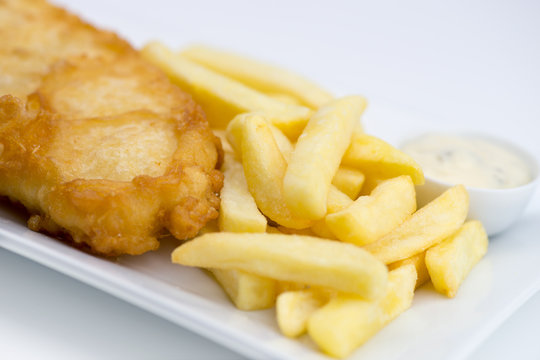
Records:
x=94, y=141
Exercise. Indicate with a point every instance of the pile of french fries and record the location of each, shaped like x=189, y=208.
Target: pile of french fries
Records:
x=317, y=218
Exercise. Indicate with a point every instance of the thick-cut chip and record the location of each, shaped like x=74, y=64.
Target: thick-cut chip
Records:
x=317, y=156
x=289, y=231
x=425, y=228
x=349, y=181
x=293, y=309
x=347, y=322
x=371, y=217
x=337, y=201
x=238, y=211
x=380, y=160
x=264, y=168
x=234, y=134
x=247, y=291
x=223, y=98
x=296, y=258
x=419, y=262
x=263, y=77
x=284, y=98
x=449, y=262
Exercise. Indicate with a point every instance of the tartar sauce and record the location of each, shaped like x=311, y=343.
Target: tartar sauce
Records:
x=468, y=160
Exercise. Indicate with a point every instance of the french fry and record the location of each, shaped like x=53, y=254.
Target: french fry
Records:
x=247, y=291
x=260, y=76
x=233, y=135
x=238, y=211
x=289, y=231
x=223, y=98
x=336, y=201
x=317, y=156
x=428, y=226
x=450, y=261
x=284, y=98
x=371, y=217
x=419, y=262
x=264, y=168
x=349, y=181
x=293, y=309
x=278, y=195
x=378, y=159
x=346, y=322
x=296, y=258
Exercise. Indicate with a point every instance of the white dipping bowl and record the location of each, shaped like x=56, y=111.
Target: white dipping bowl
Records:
x=497, y=209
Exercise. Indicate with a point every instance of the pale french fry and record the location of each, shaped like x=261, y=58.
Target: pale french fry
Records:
x=370, y=183
x=289, y=231
x=223, y=98
x=336, y=201
x=247, y=291
x=450, y=261
x=284, y=98
x=284, y=286
x=293, y=309
x=264, y=168
x=296, y=258
x=260, y=76
x=346, y=322
x=317, y=156
x=378, y=159
x=428, y=226
x=233, y=135
x=400, y=292
x=419, y=262
x=349, y=181
x=320, y=229
x=238, y=211
x=370, y=217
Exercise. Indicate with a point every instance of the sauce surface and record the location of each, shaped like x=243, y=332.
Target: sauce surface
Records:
x=471, y=161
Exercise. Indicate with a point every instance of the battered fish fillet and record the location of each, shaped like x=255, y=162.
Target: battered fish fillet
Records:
x=95, y=142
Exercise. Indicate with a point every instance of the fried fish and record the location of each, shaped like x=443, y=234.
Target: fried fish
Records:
x=95, y=142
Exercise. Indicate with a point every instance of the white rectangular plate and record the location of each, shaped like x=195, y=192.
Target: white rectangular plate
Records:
x=434, y=328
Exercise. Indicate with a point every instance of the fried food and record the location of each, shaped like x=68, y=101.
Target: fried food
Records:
x=95, y=142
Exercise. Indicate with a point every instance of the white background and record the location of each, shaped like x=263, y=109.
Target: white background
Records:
x=469, y=64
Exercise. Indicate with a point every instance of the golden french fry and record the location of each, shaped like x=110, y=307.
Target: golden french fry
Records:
x=370, y=217
x=233, y=135
x=238, y=211
x=428, y=226
x=223, y=98
x=260, y=76
x=450, y=261
x=296, y=258
x=346, y=322
x=380, y=160
x=336, y=201
x=317, y=156
x=419, y=262
x=349, y=181
x=264, y=168
x=293, y=309
x=247, y=291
